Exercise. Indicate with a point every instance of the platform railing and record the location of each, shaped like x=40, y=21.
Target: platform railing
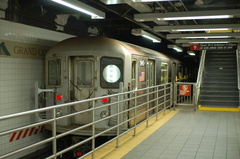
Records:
x=159, y=99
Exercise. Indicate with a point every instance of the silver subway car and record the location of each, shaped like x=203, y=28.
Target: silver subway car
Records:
x=87, y=67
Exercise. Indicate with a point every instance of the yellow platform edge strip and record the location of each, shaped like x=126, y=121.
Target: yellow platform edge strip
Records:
x=202, y=108
x=127, y=142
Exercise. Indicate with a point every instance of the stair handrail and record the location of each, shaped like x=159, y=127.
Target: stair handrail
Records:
x=201, y=68
x=200, y=74
x=238, y=69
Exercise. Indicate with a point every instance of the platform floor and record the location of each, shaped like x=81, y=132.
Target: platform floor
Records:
x=186, y=135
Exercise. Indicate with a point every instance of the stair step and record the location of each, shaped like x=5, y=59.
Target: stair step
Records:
x=219, y=84
x=220, y=88
x=223, y=59
x=219, y=98
x=219, y=104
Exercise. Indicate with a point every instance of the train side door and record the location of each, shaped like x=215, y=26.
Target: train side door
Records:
x=174, y=72
x=150, y=70
x=83, y=86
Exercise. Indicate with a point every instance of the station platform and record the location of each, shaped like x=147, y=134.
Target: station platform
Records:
x=180, y=134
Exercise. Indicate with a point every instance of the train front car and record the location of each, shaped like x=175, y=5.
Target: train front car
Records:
x=82, y=68
x=82, y=71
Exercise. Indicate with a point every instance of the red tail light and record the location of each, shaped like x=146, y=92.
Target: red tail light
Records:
x=105, y=100
x=58, y=97
x=79, y=153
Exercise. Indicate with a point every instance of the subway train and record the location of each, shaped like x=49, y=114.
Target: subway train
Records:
x=82, y=68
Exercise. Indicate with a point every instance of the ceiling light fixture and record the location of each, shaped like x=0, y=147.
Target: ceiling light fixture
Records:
x=186, y=28
x=175, y=47
x=81, y=7
x=207, y=41
x=188, y=15
x=152, y=0
x=140, y=32
x=201, y=29
x=191, y=53
x=203, y=35
x=197, y=17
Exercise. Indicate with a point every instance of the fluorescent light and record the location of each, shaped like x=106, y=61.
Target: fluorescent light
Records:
x=81, y=7
x=152, y=0
x=188, y=15
x=202, y=42
x=191, y=53
x=202, y=29
x=207, y=41
x=208, y=27
x=140, y=32
x=150, y=38
x=197, y=17
x=175, y=47
x=206, y=37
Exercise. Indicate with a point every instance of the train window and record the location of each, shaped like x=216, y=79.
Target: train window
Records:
x=84, y=73
x=111, y=72
x=54, y=72
x=164, y=73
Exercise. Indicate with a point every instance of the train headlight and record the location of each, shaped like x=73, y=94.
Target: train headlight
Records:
x=59, y=112
x=103, y=114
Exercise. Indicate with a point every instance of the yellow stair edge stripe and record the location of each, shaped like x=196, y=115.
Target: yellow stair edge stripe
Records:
x=127, y=142
x=202, y=108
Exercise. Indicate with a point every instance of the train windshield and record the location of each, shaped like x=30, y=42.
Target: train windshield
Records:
x=84, y=73
x=111, y=72
x=54, y=72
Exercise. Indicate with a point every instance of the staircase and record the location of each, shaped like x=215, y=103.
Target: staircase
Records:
x=219, y=82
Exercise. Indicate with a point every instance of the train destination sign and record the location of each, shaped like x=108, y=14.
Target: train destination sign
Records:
x=213, y=46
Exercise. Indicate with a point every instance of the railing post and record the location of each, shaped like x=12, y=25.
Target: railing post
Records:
x=157, y=103
x=135, y=113
x=147, y=107
x=195, y=96
x=171, y=95
x=93, y=129
x=118, y=121
x=165, y=92
x=54, y=134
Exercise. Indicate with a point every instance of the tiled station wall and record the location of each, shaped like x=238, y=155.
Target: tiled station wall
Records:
x=22, y=50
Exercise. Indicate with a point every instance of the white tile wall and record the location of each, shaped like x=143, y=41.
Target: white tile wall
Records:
x=17, y=78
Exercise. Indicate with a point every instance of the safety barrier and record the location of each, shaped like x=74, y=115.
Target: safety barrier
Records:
x=185, y=94
x=154, y=100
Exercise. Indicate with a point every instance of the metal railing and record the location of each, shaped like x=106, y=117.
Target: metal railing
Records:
x=145, y=106
x=200, y=74
x=238, y=70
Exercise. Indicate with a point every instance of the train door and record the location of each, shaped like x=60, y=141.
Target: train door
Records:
x=174, y=72
x=83, y=86
x=150, y=70
x=139, y=80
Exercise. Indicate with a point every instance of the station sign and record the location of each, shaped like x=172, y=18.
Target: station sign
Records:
x=14, y=49
x=185, y=90
x=218, y=46
x=213, y=46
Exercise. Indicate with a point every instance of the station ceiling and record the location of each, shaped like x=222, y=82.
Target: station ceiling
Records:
x=123, y=18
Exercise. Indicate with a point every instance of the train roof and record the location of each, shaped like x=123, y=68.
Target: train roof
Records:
x=95, y=43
